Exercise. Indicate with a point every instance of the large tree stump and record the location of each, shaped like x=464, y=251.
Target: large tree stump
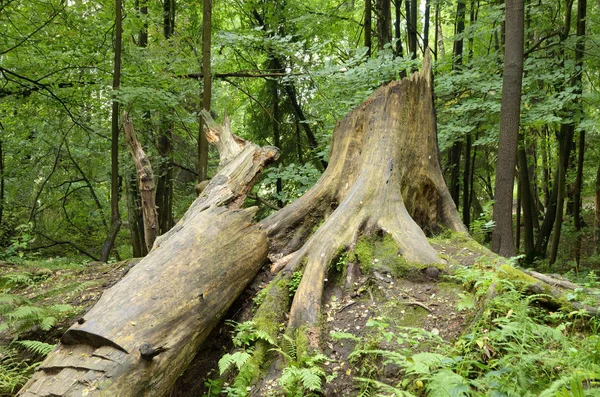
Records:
x=144, y=331
x=383, y=176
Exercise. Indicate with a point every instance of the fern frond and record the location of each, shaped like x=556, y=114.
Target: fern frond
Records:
x=25, y=313
x=37, y=347
x=339, y=335
x=47, y=323
x=310, y=380
x=238, y=359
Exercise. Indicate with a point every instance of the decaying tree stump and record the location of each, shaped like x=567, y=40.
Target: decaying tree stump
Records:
x=144, y=331
x=383, y=176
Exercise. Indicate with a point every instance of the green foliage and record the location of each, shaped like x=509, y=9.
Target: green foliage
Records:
x=303, y=374
x=36, y=347
x=294, y=282
x=20, y=315
x=14, y=371
x=237, y=359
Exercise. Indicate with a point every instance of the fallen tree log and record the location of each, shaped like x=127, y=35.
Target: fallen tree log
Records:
x=144, y=331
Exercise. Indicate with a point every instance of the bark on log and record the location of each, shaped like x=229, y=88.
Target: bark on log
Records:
x=145, y=178
x=144, y=331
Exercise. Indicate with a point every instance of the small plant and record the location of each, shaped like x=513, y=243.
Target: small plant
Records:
x=303, y=374
x=246, y=335
x=294, y=283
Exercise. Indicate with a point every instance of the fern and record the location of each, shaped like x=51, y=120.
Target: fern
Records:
x=37, y=347
x=14, y=372
x=237, y=359
x=339, y=335
x=447, y=383
x=372, y=385
x=15, y=279
x=8, y=302
x=26, y=317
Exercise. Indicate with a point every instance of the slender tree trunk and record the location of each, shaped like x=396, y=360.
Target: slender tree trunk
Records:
x=579, y=51
x=459, y=28
x=546, y=181
x=565, y=141
x=384, y=23
x=398, y=33
x=164, y=144
x=502, y=237
x=276, y=133
x=457, y=61
x=466, y=202
x=426, y=26
x=207, y=87
x=411, y=26
x=143, y=35
x=561, y=182
x=368, y=26
x=527, y=204
x=134, y=216
x=115, y=224
x=440, y=51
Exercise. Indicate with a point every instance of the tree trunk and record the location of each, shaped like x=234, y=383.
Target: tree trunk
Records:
x=206, y=87
x=426, y=26
x=144, y=331
x=565, y=141
x=579, y=52
x=384, y=176
x=502, y=237
x=368, y=23
x=411, y=26
x=134, y=216
x=164, y=144
x=440, y=51
x=527, y=204
x=146, y=182
x=466, y=199
x=384, y=23
x=115, y=224
x=399, y=52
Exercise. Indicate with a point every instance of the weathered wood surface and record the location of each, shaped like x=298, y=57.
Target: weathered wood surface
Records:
x=383, y=176
x=171, y=299
x=145, y=178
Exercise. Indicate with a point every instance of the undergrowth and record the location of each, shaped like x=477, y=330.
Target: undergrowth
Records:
x=31, y=305
x=515, y=347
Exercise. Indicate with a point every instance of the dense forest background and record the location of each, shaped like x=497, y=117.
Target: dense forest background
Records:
x=284, y=72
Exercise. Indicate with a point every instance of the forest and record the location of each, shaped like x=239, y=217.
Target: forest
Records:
x=299, y=198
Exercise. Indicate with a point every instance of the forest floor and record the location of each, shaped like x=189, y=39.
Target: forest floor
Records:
x=384, y=334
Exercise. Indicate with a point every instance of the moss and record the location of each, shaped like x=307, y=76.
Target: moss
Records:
x=268, y=317
x=383, y=254
x=463, y=240
x=406, y=315
x=363, y=250
x=302, y=343
x=510, y=273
